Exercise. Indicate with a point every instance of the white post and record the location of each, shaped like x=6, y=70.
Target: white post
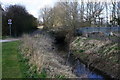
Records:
x=10, y=29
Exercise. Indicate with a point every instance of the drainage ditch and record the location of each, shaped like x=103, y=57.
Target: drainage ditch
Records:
x=79, y=68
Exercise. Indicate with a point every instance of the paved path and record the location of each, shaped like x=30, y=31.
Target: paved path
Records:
x=8, y=40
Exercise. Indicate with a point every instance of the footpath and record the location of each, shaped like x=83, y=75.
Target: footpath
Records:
x=8, y=40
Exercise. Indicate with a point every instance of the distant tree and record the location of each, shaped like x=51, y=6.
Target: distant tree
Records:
x=46, y=16
x=118, y=13
x=62, y=15
x=115, y=13
x=4, y=21
x=22, y=21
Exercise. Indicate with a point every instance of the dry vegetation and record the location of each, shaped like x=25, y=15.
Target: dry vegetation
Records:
x=103, y=55
x=41, y=53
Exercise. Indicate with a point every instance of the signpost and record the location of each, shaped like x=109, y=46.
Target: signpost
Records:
x=10, y=23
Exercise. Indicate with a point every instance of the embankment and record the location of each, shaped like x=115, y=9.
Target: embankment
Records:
x=102, y=55
x=41, y=53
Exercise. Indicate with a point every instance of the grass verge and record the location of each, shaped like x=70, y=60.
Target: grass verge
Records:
x=10, y=61
x=14, y=65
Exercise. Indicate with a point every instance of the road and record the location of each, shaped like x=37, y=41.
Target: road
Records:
x=8, y=40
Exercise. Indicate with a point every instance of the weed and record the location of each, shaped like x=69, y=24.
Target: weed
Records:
x=60, y=76
x=81, y=50
x=43, y=74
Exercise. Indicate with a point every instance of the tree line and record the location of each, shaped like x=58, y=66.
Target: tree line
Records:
x=22, y=21
x=74, y=14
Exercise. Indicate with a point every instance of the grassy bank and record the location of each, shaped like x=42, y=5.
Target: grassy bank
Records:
x=10, y=60
x=14, y=65
x=41, y=52
x=102, y=55
x=19, y=60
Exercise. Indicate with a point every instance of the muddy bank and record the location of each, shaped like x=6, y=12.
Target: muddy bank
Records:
x=102, y=55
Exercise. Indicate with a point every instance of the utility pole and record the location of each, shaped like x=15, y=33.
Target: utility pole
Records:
x=10, y=23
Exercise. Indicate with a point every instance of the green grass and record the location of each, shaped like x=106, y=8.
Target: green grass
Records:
x=14, y=65
x=10, y=63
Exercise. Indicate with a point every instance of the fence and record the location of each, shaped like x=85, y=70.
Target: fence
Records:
x=105, y=30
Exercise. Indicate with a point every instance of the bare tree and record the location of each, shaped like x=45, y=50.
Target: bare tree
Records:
x=92, y=12
x=46, y=15
x=71, y=14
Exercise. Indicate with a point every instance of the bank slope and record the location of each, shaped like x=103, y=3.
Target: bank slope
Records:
x=102, y=55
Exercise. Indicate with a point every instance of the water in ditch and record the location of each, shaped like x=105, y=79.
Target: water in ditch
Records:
x=82, y=71
x=78, y=68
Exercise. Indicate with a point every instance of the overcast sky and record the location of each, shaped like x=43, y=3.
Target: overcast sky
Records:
x=33, y=6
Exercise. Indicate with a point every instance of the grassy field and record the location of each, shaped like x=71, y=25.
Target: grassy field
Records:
x=13, y=63
x=11, y=67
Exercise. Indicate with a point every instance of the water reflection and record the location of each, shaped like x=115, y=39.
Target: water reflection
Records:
x=83, y=72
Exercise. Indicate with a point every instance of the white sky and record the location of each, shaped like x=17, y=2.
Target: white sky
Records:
x=33, y=6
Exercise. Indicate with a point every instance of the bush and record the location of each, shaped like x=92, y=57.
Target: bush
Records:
x=22, y=21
